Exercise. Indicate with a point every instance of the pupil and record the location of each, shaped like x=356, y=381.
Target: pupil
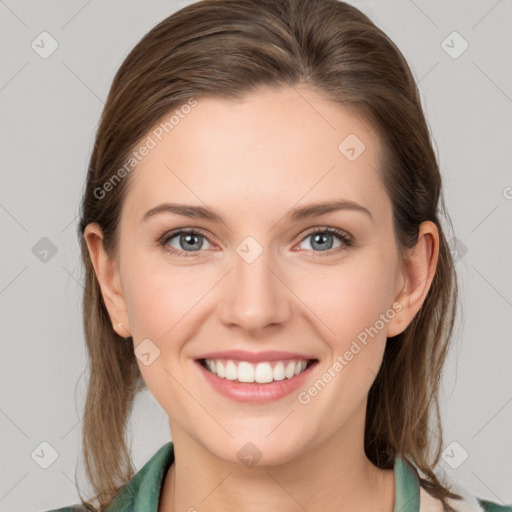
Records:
x=321, y=236
x=189, y=239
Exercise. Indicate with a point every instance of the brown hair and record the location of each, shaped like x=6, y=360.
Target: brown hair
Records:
x=226, y=49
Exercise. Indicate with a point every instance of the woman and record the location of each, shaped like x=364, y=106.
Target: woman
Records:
x=263, y=250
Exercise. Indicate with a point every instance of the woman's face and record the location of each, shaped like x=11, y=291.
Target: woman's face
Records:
x=259, y=279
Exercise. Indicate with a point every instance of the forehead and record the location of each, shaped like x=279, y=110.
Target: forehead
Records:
x=274, y=148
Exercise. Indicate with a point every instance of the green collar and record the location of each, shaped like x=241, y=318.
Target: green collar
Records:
x=142, y=492
x=407, y=486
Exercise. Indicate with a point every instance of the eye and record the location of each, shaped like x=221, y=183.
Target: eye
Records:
x=187, y=242
x=322, y=240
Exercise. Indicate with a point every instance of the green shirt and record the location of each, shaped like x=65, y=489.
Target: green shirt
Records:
x=142, y=492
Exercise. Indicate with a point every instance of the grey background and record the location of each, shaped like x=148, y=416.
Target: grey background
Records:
x=50, y=110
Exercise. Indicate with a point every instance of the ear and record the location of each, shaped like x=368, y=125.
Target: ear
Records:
x=107, y=273
x=418, y=270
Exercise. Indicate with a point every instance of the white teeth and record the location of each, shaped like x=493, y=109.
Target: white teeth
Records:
x=221, y=372
x=231, y=372
x=261, y=372
x=245, y=372
x=290, y=370
x=278, y=371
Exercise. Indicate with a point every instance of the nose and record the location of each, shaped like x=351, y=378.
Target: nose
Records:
x=255, y=298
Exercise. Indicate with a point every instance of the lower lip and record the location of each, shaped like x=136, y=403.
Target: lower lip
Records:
x=254, y=392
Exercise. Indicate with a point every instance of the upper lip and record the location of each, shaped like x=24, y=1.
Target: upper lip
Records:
x=255, y=357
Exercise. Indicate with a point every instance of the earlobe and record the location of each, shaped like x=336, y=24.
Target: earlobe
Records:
x=108, y=277
x=397, y=324
x=418, y=271
x=121, y=328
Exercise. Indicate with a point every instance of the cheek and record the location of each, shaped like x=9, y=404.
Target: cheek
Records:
x=167, y=302
x=349, y=298
x=351, y=307
x=150, y=306
x=161, y=308
x=159, y=298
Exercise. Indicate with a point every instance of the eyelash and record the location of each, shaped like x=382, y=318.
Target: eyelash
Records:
x=347, y=241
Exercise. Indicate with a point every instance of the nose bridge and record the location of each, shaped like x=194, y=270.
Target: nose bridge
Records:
x=255, y=297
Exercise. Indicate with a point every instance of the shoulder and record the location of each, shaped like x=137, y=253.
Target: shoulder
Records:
x=468, y=503
x=141, y=492
x=490, y=506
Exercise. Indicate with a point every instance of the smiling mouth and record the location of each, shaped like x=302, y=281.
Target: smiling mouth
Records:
x=265, y=372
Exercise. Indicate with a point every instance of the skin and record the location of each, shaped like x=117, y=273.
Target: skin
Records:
x=252, y=161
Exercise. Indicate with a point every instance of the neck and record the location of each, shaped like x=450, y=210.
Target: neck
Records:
x=332, y=475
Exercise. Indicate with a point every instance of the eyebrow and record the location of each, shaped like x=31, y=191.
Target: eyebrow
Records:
x=296, y=214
